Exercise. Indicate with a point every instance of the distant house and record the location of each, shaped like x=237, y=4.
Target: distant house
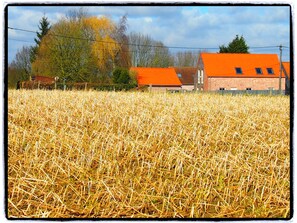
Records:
x=187, y=76
x=220, y=71
x=43, y=79
x=38, y=82
x=157, y=79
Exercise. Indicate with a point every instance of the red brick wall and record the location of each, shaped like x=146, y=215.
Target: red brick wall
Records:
x=213, y=84
x=163, y=89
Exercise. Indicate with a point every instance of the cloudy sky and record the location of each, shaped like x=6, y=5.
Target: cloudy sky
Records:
x=206, y=27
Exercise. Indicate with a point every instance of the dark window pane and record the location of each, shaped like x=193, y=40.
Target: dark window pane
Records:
x=270, y=71
x=238, y=70
x=258, y=70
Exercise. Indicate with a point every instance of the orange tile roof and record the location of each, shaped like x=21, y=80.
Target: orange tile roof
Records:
x=287, y=67
x=224, y=64
x=156, y=76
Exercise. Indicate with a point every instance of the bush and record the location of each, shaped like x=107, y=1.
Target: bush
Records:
x=121, y=76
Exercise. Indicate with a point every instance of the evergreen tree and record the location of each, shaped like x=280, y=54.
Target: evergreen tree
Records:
x=44, y=27
x=238, y=45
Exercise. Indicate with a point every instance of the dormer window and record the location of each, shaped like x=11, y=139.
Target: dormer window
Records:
x=238, y=70
x=259, y=70
x=270, y=71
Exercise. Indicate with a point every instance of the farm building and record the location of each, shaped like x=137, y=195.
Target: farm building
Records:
x=223, y=71
x=43, y=79
x=37, y=82
x=187, y=76
x=157, y=79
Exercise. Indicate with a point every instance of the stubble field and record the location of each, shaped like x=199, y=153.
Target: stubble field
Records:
x=94, y=154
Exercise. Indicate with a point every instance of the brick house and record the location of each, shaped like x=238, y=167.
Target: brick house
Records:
x=157, y=79
x=223, y=71
x=186, y=75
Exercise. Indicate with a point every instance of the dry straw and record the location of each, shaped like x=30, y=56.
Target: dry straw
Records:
x=141, y=155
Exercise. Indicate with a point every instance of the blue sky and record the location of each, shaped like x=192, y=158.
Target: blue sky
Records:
x=205, y=27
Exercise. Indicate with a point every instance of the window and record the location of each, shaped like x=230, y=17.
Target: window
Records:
x=259, y=70
x=248, y=89
x=222, y=88
x=238, y=70
x=270, y=71
x=233, y=89
x=201, y=76
x=179, y=75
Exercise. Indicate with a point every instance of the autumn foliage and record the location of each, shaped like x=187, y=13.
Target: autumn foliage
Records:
x=76, y=50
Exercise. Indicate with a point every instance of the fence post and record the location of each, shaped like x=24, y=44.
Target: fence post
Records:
x=56, y=79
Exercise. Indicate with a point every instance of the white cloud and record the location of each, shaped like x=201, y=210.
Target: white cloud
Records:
x=175, y=25
x=148, y=19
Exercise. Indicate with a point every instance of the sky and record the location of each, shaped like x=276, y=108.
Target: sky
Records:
x=207, y=27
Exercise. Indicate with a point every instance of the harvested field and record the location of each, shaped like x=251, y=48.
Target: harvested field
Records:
x=93, y=154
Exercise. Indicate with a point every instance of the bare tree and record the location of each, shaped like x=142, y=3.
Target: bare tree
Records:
x=123, y=56
x=161, y=56
x=186, y=59
x=146, y=52
x=77, y=14
x=22, y=63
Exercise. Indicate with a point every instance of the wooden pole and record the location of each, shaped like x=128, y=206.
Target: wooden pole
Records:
x=280, y=69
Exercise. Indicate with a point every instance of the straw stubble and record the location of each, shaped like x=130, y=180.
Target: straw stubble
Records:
x=141, y=155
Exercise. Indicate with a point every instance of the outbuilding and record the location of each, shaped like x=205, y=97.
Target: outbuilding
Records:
x=157, y=79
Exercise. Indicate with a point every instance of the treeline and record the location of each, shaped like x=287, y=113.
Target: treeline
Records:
x=84, y=48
